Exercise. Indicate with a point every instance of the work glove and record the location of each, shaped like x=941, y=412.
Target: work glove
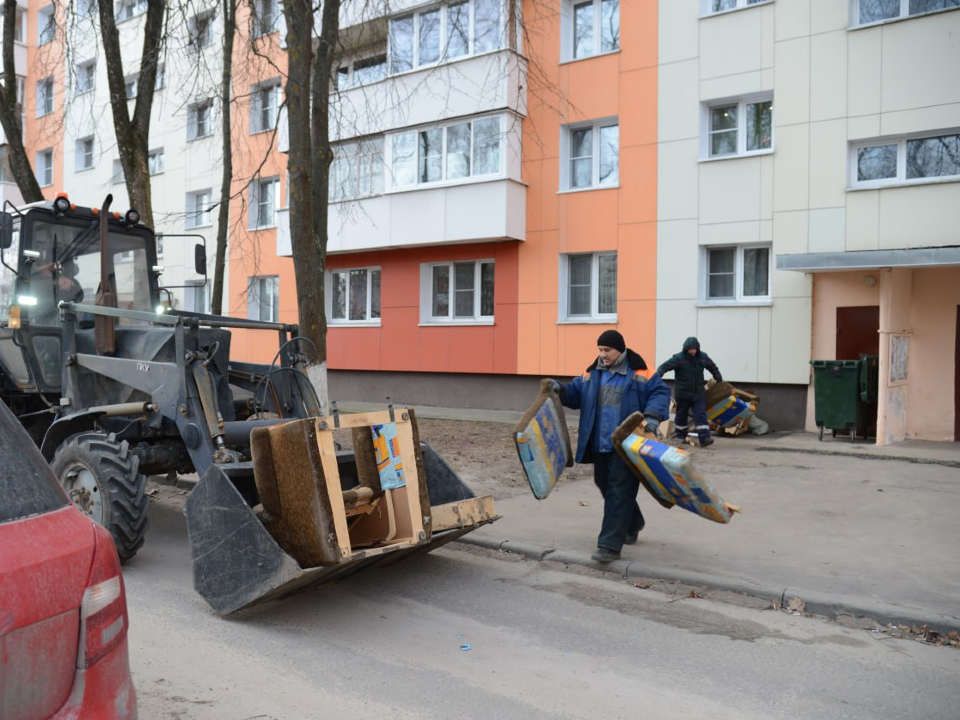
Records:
x=652, y=424
x=556, y=387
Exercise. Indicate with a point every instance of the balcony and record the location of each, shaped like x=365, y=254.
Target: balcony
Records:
x=473, y=212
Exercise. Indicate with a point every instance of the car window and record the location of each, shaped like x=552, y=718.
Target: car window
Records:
x=27, y=485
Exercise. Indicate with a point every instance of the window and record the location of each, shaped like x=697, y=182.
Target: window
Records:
x=86, y=8
x=198, y=208
x=158, y=83
x=84, y=154
x=593, y=156
x=130, y=87
x=448, y=152
x=21, y=90
x=362, y=72
x=738, y=273
x=19, y=26
x=118, y=175
x=357, y=170
x=199, y=122
x=264, y=106
x=457, y=291
x=45, y=97
x=159, y=245
x=265, y=17
x=264, y=200
x=155, y=161
x=196, y=296
x=46, y=25
x=263, y=297
x=44, y=160
x=590, y=28
x=444, y=33
x=872, y=11
x=127, y=9
x=86, y=76
x=904, y=160
x=738, y=127
x=588, y=287
x=201, y=31
x=709, y=7
x=355, y=295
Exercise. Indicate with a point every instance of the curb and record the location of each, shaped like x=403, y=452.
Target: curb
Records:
x=862, y=455
x=815, y=603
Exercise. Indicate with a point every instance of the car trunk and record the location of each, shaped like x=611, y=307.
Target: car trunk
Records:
x=44, y=582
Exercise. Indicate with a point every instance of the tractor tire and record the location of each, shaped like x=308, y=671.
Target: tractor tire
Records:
x=103, y=480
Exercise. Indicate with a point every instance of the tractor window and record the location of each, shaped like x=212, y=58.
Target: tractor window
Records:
x=8, y=278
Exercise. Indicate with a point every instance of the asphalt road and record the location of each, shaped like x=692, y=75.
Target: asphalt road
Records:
x=463, y=633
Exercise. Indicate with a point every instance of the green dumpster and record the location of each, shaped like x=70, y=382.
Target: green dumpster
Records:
x=844, y=392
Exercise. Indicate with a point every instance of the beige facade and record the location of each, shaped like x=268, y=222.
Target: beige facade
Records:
x=861, y=170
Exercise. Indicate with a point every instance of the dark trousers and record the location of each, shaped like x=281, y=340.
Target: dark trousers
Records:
x=699, y=408
x=619, y=486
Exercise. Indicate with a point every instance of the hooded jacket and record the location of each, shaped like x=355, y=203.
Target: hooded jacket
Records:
x=637, y=394
x=688, y=371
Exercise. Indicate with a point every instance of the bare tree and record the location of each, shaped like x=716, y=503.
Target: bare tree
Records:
x=11, y=113
x=133, y=133
x=229, y=9
x=308, y=103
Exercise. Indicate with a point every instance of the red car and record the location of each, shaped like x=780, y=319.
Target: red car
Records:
x=63, y=606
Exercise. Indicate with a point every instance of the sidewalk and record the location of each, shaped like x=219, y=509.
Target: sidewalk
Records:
x=848, y=528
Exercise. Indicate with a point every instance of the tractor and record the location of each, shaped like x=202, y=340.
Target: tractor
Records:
x=116, y=386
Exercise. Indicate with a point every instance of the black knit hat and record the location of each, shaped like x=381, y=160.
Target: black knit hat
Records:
x=611, y=339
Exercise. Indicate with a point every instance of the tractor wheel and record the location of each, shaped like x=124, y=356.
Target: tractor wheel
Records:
x=103, y=479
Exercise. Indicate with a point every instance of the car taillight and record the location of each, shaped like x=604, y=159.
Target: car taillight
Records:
x=103, y=612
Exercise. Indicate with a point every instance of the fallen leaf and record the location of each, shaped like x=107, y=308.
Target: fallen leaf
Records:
x=795, y=604
x=584, y=503
x=640, y=584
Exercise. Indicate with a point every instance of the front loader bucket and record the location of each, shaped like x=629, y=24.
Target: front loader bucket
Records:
x=323, y=514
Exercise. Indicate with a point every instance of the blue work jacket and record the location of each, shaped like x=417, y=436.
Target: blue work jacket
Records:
x=650, y=397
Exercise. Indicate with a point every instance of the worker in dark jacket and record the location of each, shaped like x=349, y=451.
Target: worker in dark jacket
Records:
x=688, y=388
x=612, y=388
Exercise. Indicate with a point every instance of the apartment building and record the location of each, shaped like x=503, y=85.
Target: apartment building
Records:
x=808, y=197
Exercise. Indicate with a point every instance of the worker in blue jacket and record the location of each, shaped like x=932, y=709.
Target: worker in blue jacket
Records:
x=689, y=388
x=611, y=389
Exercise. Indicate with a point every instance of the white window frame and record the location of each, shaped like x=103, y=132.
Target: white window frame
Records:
x=117, y=176
x=21, y=91
x=85, y=76
x=368, y=319
x=199, y=204
x=44, y=162
x=131, y=85
x=738, y=297
x=443, y=35
x=427, y=295
x=193, y=120
x=84, y=154
x=357, y=170
x=190, y=291
x=46, y=25
x=351, y=74
x=45, y=99
x=389, y=141
x=903, y=14
x=566, y=155
x=568, y=23
x=901, y=178
x=564, y=315
x=741, y=104
x=129, y=9
x=201, y=31
x=160, y=78
x=266, y=17
x=265, y=101
x=156, y=162
x=20, y=26
x=261, y=188
x=706, y=6
x=255, y=291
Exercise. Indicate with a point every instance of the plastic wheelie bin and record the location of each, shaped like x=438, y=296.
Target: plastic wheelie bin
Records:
x=844, y=391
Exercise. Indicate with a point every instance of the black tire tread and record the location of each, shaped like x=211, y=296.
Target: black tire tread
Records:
x=122, y=485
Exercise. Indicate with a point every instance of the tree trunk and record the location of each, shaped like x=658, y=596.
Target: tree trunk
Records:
x=223, y=213
x=133, y=134
x=11, y=113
